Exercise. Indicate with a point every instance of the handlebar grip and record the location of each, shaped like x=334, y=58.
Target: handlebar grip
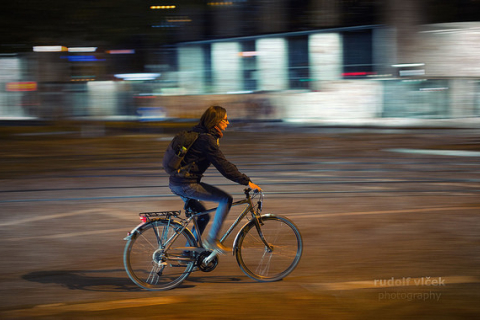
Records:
x=248, y=190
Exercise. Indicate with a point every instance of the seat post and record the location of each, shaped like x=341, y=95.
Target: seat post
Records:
x=190, y=211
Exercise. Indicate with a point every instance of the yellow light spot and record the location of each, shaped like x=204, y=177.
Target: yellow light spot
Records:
x=162, y=7
x=220, y=3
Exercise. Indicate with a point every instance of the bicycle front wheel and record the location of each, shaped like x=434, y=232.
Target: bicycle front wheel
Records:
x=275, y=261
x=156, y=257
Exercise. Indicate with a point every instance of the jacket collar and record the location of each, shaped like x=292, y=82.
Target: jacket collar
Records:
x=201, y=129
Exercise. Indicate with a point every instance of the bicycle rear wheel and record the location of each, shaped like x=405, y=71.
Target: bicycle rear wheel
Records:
x=152, y=267
x=265, y=264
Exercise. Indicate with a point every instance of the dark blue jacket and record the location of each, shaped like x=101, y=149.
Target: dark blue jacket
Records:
x=204, y=152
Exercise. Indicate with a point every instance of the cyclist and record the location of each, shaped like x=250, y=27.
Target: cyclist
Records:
x=204, y=152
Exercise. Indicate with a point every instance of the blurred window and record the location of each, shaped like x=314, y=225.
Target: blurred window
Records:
x=357, y=54
x=416, y=98
x=208, y=74
x=249, y=65
x=298, y=63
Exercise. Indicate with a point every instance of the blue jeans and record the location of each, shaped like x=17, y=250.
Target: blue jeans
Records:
x=204, y=192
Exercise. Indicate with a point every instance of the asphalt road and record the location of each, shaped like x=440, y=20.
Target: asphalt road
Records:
x=390, y=221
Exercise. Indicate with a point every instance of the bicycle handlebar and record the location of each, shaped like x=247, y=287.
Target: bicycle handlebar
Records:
x=248, y=190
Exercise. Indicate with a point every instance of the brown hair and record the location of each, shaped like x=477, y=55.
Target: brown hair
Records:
x=212, y=116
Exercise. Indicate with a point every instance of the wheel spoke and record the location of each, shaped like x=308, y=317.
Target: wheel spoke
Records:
x=264, y=264
x=146, y=261
x=154, y=275
x=259, y=261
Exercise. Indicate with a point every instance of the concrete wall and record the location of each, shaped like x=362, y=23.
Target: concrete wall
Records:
x=226, y=67
x=326, y=58
x=338, y=100
x=343, y=102
x=450, y=49
x=272, y=64
x=191, y=66
x=102, y=98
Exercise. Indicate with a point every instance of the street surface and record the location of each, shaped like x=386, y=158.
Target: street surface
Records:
x=390, y=221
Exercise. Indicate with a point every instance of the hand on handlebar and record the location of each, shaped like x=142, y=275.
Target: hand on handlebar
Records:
x=253, y=186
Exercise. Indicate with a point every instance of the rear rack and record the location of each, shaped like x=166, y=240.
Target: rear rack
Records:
x=163, y=214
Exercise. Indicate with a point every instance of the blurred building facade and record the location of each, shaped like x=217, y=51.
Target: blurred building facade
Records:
x=309, y=59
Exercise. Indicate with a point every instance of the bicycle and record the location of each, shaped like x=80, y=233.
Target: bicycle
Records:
x=162, y=251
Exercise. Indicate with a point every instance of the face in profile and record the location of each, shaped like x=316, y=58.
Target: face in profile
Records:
x=224, y=123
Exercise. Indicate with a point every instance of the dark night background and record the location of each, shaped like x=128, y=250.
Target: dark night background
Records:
x=126, y=23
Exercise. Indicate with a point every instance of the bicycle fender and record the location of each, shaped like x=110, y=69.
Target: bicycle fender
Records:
x=242, y=230
x=134, y=231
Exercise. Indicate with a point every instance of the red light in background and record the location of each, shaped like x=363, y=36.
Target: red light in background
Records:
x=357, y=74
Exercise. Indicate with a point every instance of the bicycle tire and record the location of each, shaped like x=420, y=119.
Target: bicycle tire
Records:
x=253, y=256
x=149, y=266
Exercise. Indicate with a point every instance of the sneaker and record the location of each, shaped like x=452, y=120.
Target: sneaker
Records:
x=215, y=245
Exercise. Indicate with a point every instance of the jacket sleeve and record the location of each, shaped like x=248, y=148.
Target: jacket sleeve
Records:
x=225, y=167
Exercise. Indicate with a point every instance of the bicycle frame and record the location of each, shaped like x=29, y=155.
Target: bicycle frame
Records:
x=256, y=218
x=241, y=216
